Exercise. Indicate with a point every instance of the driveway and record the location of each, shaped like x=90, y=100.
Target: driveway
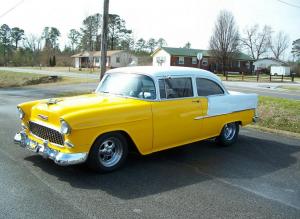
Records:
x=256, y=178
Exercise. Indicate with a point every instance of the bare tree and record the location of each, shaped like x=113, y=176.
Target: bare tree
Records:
x=279, y=44
x=33, y=44
x=257, y=41
x=224, y=42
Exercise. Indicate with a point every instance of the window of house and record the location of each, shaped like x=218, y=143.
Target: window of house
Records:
x=117, y=59
x=175, y=88
x=181, y=60
x=194, y=60
x=206, y=87
x=97, y=60
x=204, y=62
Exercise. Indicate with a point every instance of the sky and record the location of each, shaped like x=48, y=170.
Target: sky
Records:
x=176, y=21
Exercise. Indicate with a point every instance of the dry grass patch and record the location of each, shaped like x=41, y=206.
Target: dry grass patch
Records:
x=18, y=79
x=279, y=113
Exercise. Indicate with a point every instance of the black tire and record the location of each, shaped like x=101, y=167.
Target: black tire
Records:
x=108, y=153
x=229, y=134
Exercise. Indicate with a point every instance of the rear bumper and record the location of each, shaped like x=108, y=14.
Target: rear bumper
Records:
x=62, y=159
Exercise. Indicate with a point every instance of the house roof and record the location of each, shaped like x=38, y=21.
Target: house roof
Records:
x=272, y=59
x=95, y=53
x=193, y=52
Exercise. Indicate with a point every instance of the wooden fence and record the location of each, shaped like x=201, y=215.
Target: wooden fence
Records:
x=258, y=77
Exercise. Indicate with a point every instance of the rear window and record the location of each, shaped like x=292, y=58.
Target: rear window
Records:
x=175, y=88
x=206, y=87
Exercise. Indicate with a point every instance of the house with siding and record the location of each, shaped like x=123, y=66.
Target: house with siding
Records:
x=115, y=59
x=168, y=56
x=265, y=64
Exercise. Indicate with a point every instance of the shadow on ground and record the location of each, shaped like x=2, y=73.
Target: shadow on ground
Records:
x=141, y=176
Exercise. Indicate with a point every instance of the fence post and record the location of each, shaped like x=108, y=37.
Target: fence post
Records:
x=242, y=76
x=293, y=75
x=281, y=78
x=226, y=76
x=270, y=77
x=257, y=77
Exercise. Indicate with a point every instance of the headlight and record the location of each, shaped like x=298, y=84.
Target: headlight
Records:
x=21, y=113
x=64, y=127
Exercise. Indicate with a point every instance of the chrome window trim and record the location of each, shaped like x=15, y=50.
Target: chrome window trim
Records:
x=177, y=76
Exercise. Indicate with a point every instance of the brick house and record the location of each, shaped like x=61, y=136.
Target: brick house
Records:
x=167, y=56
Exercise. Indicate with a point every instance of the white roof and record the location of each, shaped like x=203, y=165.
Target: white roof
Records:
x=156, y=72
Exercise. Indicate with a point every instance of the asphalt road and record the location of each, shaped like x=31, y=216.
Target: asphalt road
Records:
x=264, y=89
x=293, y=95
x=258, y=177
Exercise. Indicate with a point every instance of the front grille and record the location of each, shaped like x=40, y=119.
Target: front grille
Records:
x=46, y=133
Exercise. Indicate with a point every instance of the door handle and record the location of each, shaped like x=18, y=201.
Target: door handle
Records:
x=196, y=101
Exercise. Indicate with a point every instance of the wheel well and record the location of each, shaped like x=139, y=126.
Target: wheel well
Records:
x=131, y=145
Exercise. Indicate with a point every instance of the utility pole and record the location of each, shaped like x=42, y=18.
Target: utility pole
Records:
x=104, y=38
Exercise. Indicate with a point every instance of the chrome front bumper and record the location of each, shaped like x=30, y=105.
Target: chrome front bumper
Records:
x=62, y=159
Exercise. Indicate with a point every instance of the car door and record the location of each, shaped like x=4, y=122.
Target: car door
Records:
x=213, y=119
x=175, y=114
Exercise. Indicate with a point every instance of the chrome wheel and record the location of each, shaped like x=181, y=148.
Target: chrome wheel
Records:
x=229, y=131
x=110, y=152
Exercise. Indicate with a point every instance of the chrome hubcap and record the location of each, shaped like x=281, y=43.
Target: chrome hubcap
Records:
x=229, y=131
x=110, y=152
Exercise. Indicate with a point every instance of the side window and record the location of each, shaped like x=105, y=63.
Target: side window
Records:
x=175, y=88
x=206, y=87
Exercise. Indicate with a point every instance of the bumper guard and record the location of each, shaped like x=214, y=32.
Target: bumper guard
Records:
x=62, y=159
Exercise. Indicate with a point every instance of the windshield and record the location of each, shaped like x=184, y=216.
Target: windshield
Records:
x=130, y=85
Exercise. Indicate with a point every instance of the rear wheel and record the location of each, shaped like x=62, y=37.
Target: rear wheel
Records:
x=229, y=134
x=108, y=153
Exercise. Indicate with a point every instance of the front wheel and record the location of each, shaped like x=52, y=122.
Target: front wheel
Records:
x=108, y=153
x=229, y=134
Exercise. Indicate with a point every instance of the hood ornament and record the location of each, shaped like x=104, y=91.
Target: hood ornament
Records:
x=53, y=101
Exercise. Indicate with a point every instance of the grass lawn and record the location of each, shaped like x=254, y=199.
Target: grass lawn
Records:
x=17, y=79
x=290, y=88
x=279, y=113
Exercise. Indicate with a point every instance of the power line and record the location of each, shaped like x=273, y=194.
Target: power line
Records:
x=12, y=8
x=289, y=4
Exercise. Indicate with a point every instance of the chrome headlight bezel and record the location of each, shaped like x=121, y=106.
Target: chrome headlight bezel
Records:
x=21, y=113
x=65, y=128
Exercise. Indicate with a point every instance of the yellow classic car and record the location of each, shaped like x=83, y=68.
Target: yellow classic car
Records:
x=151, y=109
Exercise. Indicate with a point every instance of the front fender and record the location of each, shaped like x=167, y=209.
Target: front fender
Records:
x=135, y=120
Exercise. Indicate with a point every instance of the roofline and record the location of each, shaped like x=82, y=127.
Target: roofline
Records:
x=162, y=48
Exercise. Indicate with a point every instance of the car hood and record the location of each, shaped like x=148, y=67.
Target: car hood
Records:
x=51, y=110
